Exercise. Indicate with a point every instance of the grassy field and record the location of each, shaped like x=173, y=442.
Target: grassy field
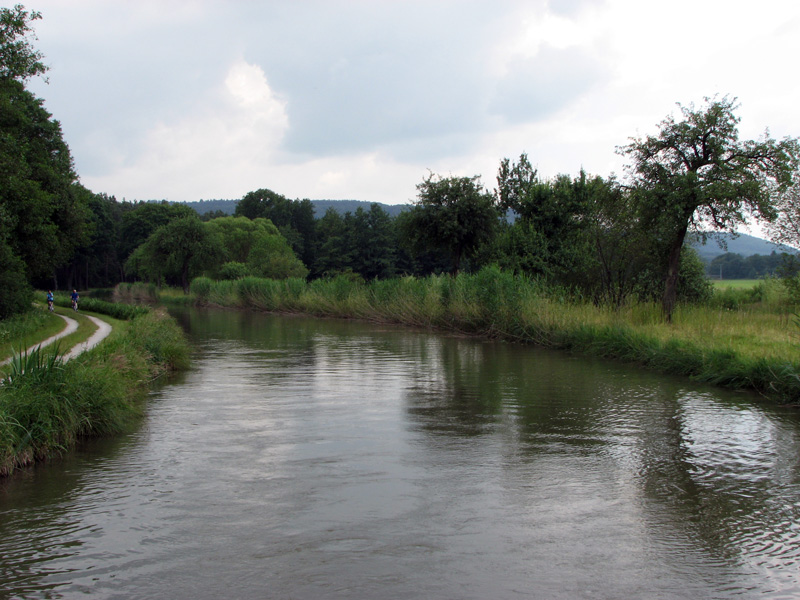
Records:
x=737, y=284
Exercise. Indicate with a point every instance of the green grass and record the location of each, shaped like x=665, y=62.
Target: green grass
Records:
x=736, y=283
x=25, y=330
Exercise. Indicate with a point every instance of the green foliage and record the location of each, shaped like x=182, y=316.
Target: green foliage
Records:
x=19, y=60
x=136, y=292
x=785, y=228
x=20, y=325
x=238, y=235
x=117, y=310
x=17, y=294
x=789, y=273
x=452, y=215
x=294, y=219
x=142, y=219
x=693, y=285
x=736, y=266
x=364, y=242
x=160, y=340
x=253, y=247
x=175, y=252
x=201, y=288
x=42, y=213
x=233, y=270
x=271, y=257
x=697, y=172
x=44, y=216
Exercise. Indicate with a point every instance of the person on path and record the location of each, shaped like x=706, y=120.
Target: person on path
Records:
x=50, y=300
x=75, y=299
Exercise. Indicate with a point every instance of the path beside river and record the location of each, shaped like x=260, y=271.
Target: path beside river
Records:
x=103, y=330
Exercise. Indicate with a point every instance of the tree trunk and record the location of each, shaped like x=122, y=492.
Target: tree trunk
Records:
x=672, y=275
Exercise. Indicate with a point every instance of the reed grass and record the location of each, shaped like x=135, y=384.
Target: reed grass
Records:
x=755, y=345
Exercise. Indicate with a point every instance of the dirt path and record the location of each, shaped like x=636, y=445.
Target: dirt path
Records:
x=103, y=329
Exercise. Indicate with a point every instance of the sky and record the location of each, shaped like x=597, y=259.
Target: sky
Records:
x=362, y=99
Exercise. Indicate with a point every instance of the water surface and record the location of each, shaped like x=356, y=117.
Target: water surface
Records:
x=308, y=459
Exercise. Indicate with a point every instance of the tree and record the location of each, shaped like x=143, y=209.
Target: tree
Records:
x=17, y=294
x=176, y=251
x=696, y=172
x=333, y=254
x=44, y=212
x=372, y=243
x=256, y=244
x=19, y=60
x=453, y=215
x=785, y=228
x=293, y=218
x=143, y=218
x=549, y=233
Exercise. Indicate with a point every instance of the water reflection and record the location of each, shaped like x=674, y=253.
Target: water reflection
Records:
x=307, y=458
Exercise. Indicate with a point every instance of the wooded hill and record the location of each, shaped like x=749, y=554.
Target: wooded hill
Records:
x=228, y=207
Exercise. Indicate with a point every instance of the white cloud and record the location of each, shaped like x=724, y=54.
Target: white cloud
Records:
x=227, y=136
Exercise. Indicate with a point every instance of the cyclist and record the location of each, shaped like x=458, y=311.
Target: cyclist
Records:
x=50, y=300
x=75, y=300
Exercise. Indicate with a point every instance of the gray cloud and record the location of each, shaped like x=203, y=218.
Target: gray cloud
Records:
x=537, y=87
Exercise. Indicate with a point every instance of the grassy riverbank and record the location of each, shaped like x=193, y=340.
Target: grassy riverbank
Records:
x=754, y=347
x=47, y=404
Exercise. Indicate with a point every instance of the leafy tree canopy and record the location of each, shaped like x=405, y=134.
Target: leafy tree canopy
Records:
x=697, y=171
x=452, y=214
x=19, y=60
x=176, y=252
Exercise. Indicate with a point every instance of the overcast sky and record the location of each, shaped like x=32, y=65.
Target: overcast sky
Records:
x=350, y=99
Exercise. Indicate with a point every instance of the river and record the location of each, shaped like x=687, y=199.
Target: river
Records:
x=308, y=458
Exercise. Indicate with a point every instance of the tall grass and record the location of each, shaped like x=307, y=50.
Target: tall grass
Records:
x=26, y=329
x=46, y=405
x=738, y=344
x=117, y=310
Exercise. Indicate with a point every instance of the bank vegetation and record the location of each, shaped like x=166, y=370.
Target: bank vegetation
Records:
x=740, y=339
x=48, y=404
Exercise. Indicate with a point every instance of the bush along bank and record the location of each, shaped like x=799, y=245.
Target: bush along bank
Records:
x=47, y=404
x=734, y=349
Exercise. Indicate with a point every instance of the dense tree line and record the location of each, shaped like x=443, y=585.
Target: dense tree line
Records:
x=598, y=238
x=735, y=266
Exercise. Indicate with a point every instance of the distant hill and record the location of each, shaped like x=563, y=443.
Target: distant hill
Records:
x=205, y=206
x=320, y=206
x=351, y=206
x=746, y=245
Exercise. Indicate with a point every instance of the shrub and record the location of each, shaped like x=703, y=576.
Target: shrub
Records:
x=233, y=270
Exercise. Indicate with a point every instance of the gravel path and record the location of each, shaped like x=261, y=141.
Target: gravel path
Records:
x=103, y=329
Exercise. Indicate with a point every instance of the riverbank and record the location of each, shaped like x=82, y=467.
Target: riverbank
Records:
x=751, y=348
x=48, y=403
